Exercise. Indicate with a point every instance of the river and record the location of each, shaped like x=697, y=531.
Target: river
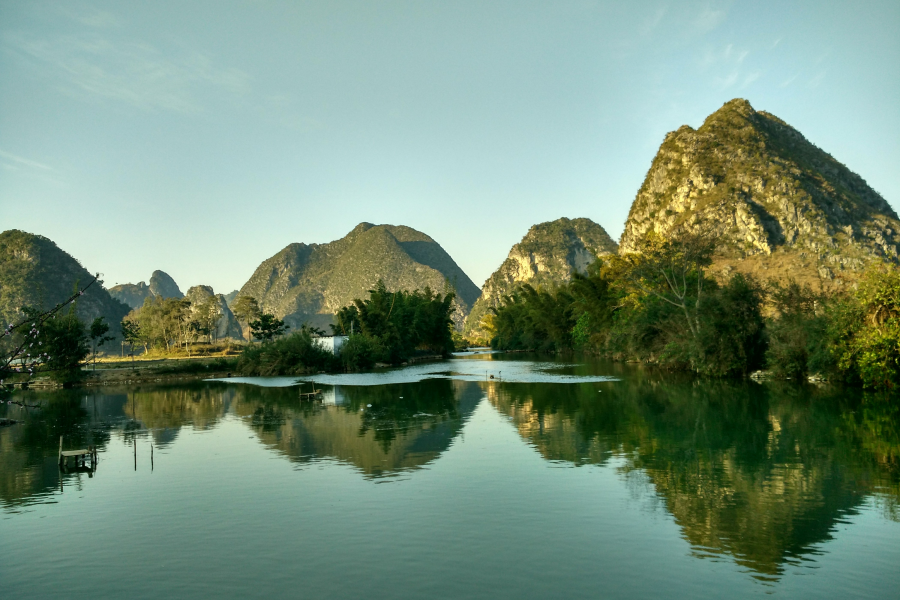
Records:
x=484, y=476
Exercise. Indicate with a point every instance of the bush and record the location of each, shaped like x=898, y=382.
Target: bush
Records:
x=296, y=354
x=362, y=352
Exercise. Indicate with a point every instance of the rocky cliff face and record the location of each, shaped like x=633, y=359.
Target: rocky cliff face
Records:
x=310, y=282
x=161, y=284
x=134, y=294
x=35, y=272
x=547, y=255
x=779, y=205
x=227, y=326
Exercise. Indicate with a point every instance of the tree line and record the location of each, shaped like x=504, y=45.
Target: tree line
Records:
x=164, y=324
x=385, y=328
x=661, y=306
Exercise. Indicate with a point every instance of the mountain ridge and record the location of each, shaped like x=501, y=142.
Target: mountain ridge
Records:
x=310, y=282
x=773, y=199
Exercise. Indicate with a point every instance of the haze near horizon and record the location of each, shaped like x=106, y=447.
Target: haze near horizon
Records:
x=200, y=139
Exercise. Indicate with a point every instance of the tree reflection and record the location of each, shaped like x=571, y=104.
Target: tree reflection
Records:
x=761, y=472
x=29, y=452
x=381, y=430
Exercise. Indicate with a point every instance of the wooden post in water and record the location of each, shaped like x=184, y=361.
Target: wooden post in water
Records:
x=60, y=450
x=135, y=453
x=151, y=457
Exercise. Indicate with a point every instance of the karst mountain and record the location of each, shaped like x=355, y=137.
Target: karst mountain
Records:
x=308, y=283
x=36, y=273
x=548, y=255
x=134, y=294
x=778, y=205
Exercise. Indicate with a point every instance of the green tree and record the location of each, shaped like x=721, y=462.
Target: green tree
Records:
x=209, y=313
x=267, y=327
x=97, y=333
x=246, y=309
x=63, y=340
x=131, y=333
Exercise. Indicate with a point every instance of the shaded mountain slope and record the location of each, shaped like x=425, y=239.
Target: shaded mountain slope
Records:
x=310, y=282
x=35, y=272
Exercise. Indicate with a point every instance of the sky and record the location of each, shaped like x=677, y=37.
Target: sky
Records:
x=201, y=138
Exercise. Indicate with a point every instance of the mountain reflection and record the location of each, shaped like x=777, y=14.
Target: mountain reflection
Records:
x=406, y=426
x=761, y=472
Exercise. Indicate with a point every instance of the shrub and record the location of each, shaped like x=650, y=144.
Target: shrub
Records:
x=296, y=354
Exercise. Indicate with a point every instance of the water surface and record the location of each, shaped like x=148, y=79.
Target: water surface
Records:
x=564, y=478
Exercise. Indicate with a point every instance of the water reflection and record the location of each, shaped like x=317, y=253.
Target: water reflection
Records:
x=29, y=451
x=760, y=472
x=381, y=430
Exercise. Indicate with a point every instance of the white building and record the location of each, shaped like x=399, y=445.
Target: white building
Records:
x=332, y=343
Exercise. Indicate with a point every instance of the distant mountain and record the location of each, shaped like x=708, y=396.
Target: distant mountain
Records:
x=310, y=282
x=778, y=205
x=230, y=296
x=163, y=285
x=227, y=325
x=547, y=255
x=35, y=272
x=134, y=294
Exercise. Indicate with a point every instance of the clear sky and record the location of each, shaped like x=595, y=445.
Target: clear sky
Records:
x=202, y=137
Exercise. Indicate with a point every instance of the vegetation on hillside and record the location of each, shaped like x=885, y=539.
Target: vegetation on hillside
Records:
x=547, y=255
x=660, y=306
x=771, y=196
x=36, y=273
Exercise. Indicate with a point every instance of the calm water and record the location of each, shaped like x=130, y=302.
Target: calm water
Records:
x=551, y=480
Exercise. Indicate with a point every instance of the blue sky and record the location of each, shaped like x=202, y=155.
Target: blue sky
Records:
x=202, y=137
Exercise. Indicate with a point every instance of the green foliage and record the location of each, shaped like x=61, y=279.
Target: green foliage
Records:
x=387, y=327
x=267, y=327
x=794, y=333
x=555, y=244
x=296, y=354
x=63, y=340
x=874, y=346
x=658, y=307
x=399, y=325
x=246, y=309
x=732, y=335
x=363, y=352
x=162, y=323
x=194, y=366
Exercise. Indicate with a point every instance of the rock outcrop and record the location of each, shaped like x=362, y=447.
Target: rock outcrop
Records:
x=134, y=294
x=547, y=256
x=778, y=205
x=161, y=284
x=308, y=283
x=227, y=325
x=36, y=273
